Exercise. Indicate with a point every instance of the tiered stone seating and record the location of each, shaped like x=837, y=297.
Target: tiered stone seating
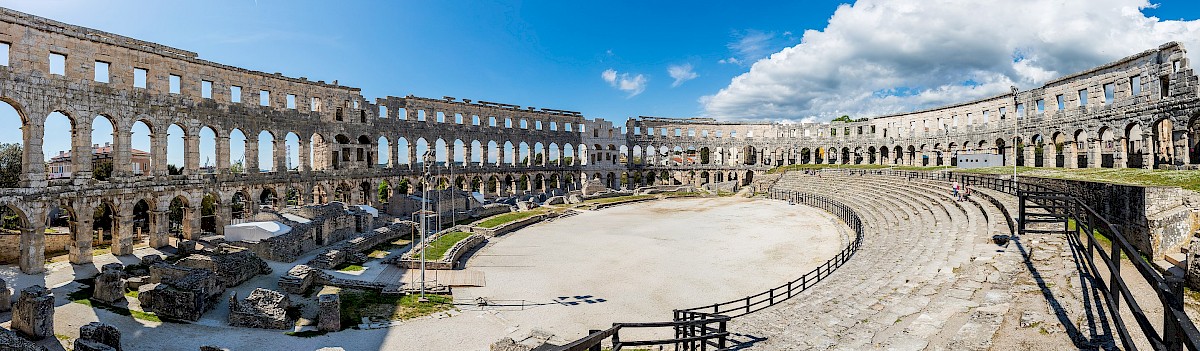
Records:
x=928, y=276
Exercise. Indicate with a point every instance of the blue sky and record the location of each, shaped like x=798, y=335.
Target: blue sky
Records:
x=614, y=60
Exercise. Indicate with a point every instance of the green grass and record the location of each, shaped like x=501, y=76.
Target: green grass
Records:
x=782, y=169
x=348, y=267
x=609, y=200
x=497, y=220
x=83, y=296
x=132, y=293
x=921, y=168
x=357, y=304
x=438, y=248
x=1189, y=180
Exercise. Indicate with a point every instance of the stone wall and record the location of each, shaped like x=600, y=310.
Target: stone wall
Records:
x=327, y=224
x=346, y=250
x=448, y=261
x=264, y=309
x=180, y=292
x=231, y=268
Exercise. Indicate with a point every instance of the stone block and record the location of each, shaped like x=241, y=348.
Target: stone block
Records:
x=33, y=315
x=10, y=341
x=329, y=311
x=96, y=336
x=266, y=309
x=110, y=284
x=5, y=297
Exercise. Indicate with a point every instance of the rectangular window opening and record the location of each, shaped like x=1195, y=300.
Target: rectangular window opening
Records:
x=264, y=98
x=206, y=89
x=58, y=64
x=1083, y=97
x=1164, y=86
x=1062, y=102
x=235, y=94
x=1135, y=85
x=315, y=105
x=139, y=77
x=174, y=82
x=291, y=101
x=101, y=72
x=1109, y=93
x=4, y=47
x=1041, y=106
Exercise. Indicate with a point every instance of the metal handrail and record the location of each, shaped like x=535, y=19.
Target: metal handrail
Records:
x=773, y=296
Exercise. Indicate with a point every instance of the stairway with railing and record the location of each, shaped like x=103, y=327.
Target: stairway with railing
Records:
x=1008, y=267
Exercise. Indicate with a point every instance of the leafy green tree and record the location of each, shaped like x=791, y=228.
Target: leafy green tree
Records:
x=384, y=188
x=237, y=167
x=102, y=170
x=10, y=165
x=174, y=170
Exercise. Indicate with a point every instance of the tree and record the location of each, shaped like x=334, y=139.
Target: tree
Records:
x=704, y=155
x=237, y=167
x=10, y=165
x=102, y=170
x=174, y=170
x=384, y=188
x=843, y=118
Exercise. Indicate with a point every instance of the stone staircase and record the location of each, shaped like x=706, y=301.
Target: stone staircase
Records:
x=930, y=276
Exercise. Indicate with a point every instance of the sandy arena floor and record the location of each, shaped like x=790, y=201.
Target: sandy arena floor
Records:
x=632, y=263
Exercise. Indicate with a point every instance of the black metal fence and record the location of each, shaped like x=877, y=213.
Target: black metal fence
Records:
x=752, y=303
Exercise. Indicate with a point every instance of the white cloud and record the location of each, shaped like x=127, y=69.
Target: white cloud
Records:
x=753, y=45
x=633, y=85
x=886, y=56
x=681, y=73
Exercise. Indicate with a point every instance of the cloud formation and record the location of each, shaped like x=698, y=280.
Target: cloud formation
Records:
x=633, y=85
x=877, y=57
x=681, y=73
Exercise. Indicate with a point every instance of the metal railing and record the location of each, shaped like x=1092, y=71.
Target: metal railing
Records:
x=1177, y=329
x=756, y=302
x=700, y=328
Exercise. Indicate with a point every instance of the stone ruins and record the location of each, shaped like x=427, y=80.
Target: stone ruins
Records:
x=1141, y=111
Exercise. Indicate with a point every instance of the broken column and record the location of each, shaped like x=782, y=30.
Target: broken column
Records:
x=329, y=310
x=96, y=336
x=33, y=315
x=110, y=284
x=5, y=297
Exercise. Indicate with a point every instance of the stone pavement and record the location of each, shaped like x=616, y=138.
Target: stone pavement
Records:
x=929, y=276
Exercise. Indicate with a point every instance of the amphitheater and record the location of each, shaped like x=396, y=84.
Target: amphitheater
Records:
x=871, y=251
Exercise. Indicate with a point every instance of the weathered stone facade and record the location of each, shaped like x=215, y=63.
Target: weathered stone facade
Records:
x=10, y=341
x=1141, y=111
x=33, y=315
x=5, y=297
x=329, y=311
x=322, y=225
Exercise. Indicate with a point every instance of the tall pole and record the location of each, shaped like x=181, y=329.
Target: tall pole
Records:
x=1016, y=119
x=424, y=218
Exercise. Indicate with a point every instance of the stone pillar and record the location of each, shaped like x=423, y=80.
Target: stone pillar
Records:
x=32, y=160
x=191, y=154
x=1010, y=156
x=191, y=223
x=251, y=155
x=79, y=251
x=1097, y=155
x=5, y=297
x=122, y=167
x=1148, y=154
x=122, y=243
x=159, y=153
x=305, y=150
x=159, y=234
x=412, y=155
x=1071, y=158
x=279, y=151
x=33, y=247
x=81, y=154
x=222, y=154
x=329, y=312
x=33, y=315
x=1029, y=161
x=96, y=336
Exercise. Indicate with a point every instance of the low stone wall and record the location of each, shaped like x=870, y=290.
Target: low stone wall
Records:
x=509, y=227
x=232, y=268
x=490, y=210
x=301, y=278
x=180, y=292
x=264, y=309
x=622, y=202
x=345, y=251
x=329, y=223
x=448, y=261
x=55, y=244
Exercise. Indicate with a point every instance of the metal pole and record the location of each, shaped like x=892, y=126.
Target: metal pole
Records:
x=1016, y=120
x=424, y=219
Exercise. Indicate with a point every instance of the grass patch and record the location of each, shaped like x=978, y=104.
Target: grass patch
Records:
x=132, y=293
x=1189, y=180
x=438, y=248
x=349, y=267
x=782, y=169
x=357, y=304
x=921, y=168
x=609, y=200
x=306, y=333
x=83, y=296
x=497, y=220
x=683, y=194
x=101, y=250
